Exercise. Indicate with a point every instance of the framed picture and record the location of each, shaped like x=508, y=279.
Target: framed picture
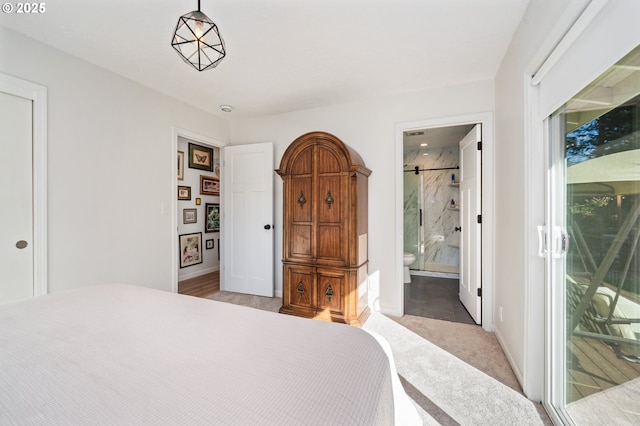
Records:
x=190, y=249
x=209, y=185
x=184, y=192
x=190, y=216
x=180, y=165
x=200, y=157
x=209, y=244
x=198, y=201
x=212, y=223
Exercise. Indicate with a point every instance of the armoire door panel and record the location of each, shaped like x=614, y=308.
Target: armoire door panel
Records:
x=303, y=164
x=301, y=288
x=330, y=290
x=330, y=244
x=330, y=199
x=328, y=161
x=301, y=191
x=300, y=242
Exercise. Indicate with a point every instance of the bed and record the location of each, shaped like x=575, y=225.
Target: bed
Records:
x=118, y=354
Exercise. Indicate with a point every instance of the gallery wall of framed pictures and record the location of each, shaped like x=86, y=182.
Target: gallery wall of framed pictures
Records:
x=198, y=195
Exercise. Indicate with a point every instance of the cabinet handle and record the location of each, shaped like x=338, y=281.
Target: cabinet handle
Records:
x=329, y=293
x=300, y=288
x=301, y=199
x=329, y=199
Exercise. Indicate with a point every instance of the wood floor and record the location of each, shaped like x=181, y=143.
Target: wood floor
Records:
x=594, y=367
x=202, y=286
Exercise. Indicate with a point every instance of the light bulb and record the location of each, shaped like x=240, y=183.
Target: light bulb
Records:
x=199, y=33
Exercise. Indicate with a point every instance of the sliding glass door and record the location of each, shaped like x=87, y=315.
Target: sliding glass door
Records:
x=592, y=239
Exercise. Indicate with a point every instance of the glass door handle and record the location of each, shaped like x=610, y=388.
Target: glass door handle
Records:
x=542, y=241
x=559, y=242
x=564, y=242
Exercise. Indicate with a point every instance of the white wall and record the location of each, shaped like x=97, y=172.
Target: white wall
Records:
x=110, y=165
x=369, y=128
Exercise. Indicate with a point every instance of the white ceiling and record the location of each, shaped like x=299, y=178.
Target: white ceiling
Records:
x=435, y=138
x=286, y=55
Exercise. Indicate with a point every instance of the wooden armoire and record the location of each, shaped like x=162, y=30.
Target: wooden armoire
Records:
x=325, y=254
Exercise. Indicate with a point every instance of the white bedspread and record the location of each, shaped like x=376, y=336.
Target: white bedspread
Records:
x=130, y=355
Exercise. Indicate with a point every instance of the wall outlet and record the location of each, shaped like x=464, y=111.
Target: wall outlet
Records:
x=500, y=312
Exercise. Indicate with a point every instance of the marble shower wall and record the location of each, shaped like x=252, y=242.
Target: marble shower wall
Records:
x=438, y=238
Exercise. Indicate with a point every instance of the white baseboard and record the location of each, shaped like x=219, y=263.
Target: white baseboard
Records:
x=387, y=311
x=198, y=273
x=512, y=363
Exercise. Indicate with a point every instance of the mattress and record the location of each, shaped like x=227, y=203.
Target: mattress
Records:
x=122, y=354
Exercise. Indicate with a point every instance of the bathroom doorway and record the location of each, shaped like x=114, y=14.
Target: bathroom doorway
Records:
x=444, y=281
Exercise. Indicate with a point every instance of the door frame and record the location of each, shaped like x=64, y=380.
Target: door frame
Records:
x=487, y=250
x=38, y=95
x=568, y=46
x=195, y=137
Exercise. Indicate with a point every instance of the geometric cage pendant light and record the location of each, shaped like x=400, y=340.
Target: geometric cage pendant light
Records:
x=197, y=40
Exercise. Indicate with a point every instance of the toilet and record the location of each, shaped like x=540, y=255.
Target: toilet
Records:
x=408, y=259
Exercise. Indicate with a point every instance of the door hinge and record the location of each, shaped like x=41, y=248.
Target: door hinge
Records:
x=479, y=218
x=479, y=145
x=479, y=292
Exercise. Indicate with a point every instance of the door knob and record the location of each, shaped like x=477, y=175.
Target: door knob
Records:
x=22, y=244
x=267, y=227
x=458, y=228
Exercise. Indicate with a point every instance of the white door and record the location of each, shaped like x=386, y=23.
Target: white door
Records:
x=470, y=210
x=16, y=214
x=247, y=221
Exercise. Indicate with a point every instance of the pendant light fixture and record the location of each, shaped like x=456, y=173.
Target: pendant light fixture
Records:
x=197, y=40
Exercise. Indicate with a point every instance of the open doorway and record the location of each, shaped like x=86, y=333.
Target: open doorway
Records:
x=432, y=219
x=196, y=207
x=432, y=222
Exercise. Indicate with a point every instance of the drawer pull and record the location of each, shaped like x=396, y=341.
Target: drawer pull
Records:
x=301, y=199
x=329, y=199
x=300, y=288
x=329, y=293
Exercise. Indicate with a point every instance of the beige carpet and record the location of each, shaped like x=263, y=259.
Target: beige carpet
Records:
x=465, y=394
x=462, y=350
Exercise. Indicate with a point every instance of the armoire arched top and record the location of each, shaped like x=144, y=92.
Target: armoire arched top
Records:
x=347, y=157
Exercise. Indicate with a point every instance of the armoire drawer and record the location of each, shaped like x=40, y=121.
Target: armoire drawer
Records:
x=300, y=286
